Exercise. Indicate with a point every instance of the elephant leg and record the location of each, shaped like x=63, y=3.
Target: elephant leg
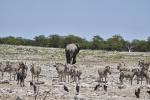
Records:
x=68, y=57
x=71, y=57
x=74, y=59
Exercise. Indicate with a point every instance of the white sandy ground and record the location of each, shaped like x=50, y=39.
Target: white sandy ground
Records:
x=87, y=60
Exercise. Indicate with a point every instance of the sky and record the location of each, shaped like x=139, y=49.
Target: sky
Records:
x=84, y=18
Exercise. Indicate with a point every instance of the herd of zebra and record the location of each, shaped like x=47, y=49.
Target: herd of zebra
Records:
x=18, y=70
x=141, y=71
x=71, y=72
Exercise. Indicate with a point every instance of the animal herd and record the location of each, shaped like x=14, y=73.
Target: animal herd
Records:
x=71, y=72
x=142, y=71
x=19, y=71
x=68, y=72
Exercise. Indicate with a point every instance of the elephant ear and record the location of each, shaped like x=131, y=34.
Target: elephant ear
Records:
x=78, y=46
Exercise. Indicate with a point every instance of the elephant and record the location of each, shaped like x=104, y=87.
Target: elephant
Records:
x=71, y=51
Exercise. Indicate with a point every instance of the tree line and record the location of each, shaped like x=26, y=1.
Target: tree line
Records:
x=116, y=42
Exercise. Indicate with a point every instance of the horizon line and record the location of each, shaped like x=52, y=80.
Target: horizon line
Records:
x=32, y=38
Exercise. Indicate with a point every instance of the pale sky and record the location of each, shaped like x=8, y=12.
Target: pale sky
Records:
x=84, y=18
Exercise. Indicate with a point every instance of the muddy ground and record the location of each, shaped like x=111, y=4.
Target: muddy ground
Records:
x=87, y=60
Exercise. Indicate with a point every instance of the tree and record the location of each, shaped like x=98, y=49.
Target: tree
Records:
x=40, y=40
x=116, y=42
x=55, y=41
x=97, y=42
x=148, y=43
x=140, y=45
x=128, y=46
x=148, y=39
